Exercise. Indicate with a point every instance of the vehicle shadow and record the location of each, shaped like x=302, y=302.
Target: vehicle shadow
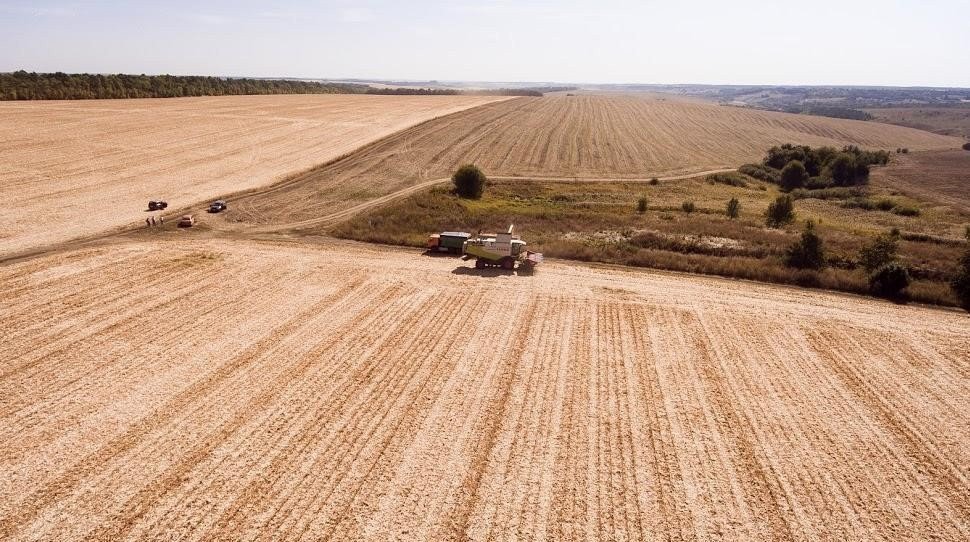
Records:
x=437, y=254
x=491, y=272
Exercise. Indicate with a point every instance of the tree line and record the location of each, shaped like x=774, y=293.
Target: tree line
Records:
x=22, y=85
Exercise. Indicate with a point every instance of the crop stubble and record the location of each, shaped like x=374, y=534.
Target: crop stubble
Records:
x=209, y=390
x=75, y=168
x=587, y=136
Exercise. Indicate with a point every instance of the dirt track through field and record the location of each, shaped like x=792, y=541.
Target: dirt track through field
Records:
x=214, y=390
x=69, y=169
x=581, y=137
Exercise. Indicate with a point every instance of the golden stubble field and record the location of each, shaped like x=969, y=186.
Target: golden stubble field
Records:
x=196, y=389
x=585, y=136
x=70, y=169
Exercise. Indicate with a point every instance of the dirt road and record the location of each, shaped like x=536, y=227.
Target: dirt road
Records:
x=214, y=390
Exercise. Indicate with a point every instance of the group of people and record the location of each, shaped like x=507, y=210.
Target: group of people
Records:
x=150, y=221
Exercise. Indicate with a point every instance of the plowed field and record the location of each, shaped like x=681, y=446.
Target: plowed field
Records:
x=614, y=137
x=69, y=169
x=213, y=390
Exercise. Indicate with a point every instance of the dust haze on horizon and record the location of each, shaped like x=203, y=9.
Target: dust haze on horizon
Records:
x=750, y=42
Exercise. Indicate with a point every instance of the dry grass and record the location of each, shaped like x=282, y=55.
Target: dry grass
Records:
x=346, y=392
x=600, y=222
x=69, y=169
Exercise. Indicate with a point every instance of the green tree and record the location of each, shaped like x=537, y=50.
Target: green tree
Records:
x=733, y=209
x=780, y=212
x=880, y=252
x=793, y=176
x=807, y=252
x=469, y=182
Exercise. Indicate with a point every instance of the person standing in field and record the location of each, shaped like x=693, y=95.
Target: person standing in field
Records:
x=153, y=220
x=161, y=220
x=148, y=223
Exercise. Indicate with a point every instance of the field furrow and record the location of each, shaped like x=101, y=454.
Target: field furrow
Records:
x=280, y=390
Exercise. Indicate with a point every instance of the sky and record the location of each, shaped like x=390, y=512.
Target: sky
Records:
x=815, y=42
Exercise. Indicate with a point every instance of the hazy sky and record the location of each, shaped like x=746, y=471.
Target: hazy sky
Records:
x=867, y=42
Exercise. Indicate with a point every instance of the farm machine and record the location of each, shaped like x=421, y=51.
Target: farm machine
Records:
x=501, y=250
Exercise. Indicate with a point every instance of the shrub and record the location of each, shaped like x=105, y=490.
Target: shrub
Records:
x=654, y=181
x=469, y=182
x=906, y=210
x=733, y=209
x=885, y=204
x=760, y=172
x=889, y=280
x=688, y=206
x=961, y=282
x=966, y=146
x=905, y=150
x=807, y=252
x=793, y=176
x=818, y=183
x=780, y=212
x=642, y=205
x=879, y=253
x=731, y=179
x=827, y=193
x=858, y=203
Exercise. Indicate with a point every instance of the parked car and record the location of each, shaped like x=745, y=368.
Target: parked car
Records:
x=187, y=221
x=217, y=206
x=157, y=205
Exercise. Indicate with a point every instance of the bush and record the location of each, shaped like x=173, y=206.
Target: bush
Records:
x=885, y=205
x=642, y=205
x=859, y=203
x=818, y=183
x=760, y=172
x=889, y=280
x=654, y=181
x=688, y=206
x=733, y=209
x=828, y=193
x=808, y=252
x=906, y=210
x=780, y=212
x=469, y=182
x=879, y=253
x=793, y=176
x=961, y=282
x=731, y=179
x=966, y=146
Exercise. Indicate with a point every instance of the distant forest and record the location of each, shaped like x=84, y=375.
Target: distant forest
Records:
x=22, y=85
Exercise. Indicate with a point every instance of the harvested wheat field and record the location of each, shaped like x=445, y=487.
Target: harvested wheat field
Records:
x=205, y=389
x=69, y=169
x=615, y=136
x=939, y=177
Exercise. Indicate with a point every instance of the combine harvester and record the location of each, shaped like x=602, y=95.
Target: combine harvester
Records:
x=502, y=250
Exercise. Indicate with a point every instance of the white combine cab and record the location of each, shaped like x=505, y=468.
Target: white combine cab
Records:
x=501, y=250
